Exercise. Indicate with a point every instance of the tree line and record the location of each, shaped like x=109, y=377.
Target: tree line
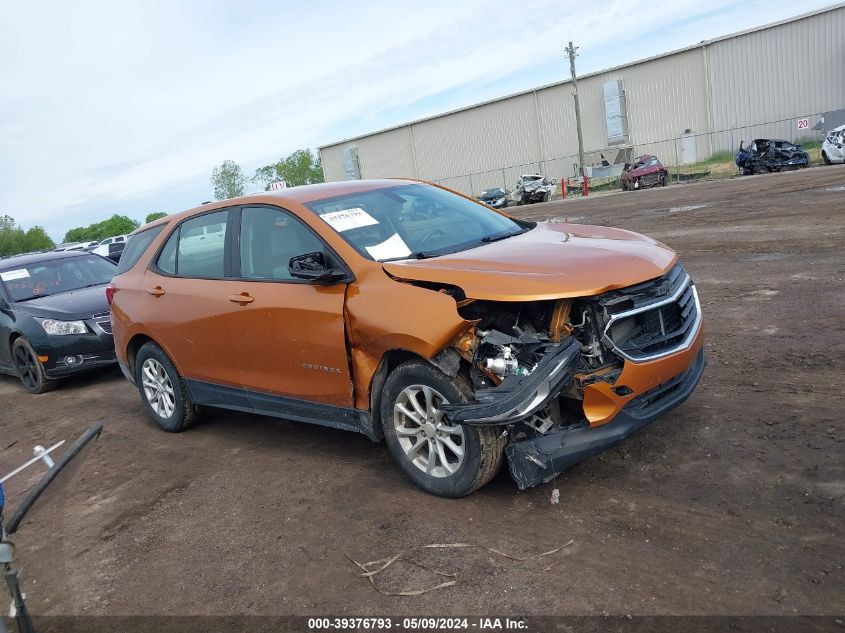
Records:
x=14, y=240
x=115, y=225
x=303, y=167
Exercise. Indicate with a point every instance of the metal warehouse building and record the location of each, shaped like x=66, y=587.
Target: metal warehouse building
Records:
x=682, y=106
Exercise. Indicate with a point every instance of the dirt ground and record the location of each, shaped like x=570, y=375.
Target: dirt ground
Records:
x=731, y=504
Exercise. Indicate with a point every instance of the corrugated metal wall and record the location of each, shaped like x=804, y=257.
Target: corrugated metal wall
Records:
x=736, y=84
x=387, y=154
x=777, y=74
x=664, y=97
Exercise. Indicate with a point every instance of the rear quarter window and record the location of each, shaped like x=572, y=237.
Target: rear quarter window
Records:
x=136, y=246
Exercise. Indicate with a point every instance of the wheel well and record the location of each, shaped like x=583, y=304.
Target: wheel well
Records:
x=390, y=361
x=12, y=338
x=132, y=348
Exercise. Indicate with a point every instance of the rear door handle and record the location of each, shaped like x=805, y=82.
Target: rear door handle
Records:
x=156, y=292
x=241, y=298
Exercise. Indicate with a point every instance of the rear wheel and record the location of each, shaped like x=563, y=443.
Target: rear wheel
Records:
x=29, y=368
x=162, y=389
x=445, y=459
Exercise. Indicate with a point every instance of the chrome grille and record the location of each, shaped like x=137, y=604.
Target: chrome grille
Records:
x=105, y=326
x=103, y=321
x=665, y=319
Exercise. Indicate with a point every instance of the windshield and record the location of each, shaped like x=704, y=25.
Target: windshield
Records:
x=51, y=277
x=412, y=221
x=493, y=192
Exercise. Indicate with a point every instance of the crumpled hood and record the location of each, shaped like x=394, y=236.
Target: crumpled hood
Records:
x=536, y=184
x=70, y=306
x=550, y=261
x=643, y=171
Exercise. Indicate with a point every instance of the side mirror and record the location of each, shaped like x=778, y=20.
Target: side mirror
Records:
x=313, y=267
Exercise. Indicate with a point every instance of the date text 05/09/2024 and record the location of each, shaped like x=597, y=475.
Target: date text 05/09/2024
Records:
x=417, y=624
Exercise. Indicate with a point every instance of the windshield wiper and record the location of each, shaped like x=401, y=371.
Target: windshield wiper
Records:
x=501, y=236
x=100, y=283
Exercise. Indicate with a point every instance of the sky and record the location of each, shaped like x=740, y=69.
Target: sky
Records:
x=126, y=107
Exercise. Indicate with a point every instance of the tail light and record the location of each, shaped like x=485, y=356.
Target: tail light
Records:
x=110, y=293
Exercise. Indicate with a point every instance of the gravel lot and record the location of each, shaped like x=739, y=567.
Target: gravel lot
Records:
x=732, y=504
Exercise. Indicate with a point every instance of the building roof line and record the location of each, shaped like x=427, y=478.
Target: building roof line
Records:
x=521, y=93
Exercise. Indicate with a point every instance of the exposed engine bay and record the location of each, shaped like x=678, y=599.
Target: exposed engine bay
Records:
x=510, y=341
x=584, y=340
x=552, y=373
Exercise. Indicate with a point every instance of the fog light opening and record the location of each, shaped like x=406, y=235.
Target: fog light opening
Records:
x=73, y=361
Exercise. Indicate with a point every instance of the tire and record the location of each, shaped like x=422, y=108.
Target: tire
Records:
x=162, y=390
x=825, y=158
x=29, y=369
x=482, y=447
x=664, y=181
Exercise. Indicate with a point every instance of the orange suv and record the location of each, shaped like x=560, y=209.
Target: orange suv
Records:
x=409, y=313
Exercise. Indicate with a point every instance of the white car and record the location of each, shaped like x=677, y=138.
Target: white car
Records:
x=103, y=248
x=833, y=148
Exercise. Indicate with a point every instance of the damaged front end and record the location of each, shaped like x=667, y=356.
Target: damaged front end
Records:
x=569, y=378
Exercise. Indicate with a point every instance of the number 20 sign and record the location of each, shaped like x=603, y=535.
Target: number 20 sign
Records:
x=803, y=124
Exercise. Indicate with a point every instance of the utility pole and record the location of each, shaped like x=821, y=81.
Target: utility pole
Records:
x=571, y=53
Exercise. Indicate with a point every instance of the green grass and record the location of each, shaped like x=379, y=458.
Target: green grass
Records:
x=725, y=156
x=809, y=143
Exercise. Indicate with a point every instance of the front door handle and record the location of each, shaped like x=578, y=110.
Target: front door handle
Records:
x=241, y=298
x=156, y=292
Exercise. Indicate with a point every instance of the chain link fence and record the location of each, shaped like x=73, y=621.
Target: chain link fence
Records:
x=686, y=156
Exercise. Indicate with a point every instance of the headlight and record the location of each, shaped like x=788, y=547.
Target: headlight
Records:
x=60, y=328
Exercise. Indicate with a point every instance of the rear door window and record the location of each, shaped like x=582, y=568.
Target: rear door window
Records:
x=135, y=247
x=197, y=248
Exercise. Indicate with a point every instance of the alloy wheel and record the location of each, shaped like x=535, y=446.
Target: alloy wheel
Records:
x=158, y=388
x=434, y=445
x=25, y=363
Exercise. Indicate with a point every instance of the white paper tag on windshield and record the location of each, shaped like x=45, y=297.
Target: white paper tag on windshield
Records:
x=347, y=219
x=390, y=248
x=11, y=275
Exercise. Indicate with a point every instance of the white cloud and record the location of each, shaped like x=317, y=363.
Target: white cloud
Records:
x=104, y=102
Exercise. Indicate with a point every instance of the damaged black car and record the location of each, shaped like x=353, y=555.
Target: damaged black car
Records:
x=765, y=155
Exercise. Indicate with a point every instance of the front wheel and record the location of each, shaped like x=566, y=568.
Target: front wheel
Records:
x=445, y=459
x=162, y=389
x=825, y=158
x=29, y=368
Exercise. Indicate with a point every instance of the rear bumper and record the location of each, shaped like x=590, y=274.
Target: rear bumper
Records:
x=539, y=459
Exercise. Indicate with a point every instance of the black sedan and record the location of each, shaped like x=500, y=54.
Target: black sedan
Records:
x=54, y=316
x=495, y=197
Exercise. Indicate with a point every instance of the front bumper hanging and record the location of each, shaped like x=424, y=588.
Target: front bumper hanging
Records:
x=517, y=397
x=538, y=459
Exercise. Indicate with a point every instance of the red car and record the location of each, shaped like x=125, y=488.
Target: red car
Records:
x=646, y=171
